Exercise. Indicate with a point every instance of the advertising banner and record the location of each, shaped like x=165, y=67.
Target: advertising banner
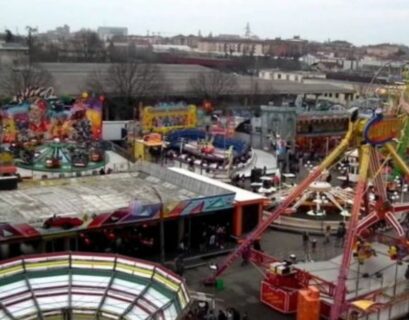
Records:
x=166, y=117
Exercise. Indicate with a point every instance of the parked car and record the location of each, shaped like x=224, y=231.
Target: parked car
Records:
x=62, y=222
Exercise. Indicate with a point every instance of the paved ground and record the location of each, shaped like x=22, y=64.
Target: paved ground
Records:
x=242, y=283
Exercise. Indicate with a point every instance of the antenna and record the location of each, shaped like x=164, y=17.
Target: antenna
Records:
x=248, y=30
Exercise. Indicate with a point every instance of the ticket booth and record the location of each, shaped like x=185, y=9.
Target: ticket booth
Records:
x=149, y=148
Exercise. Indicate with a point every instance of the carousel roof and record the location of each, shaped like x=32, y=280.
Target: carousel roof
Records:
x=89, y=285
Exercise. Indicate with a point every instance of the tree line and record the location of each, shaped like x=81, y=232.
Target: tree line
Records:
x=125, y=85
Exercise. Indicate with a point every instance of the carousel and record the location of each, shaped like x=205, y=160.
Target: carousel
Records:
x=57, y=156
x=320, y=200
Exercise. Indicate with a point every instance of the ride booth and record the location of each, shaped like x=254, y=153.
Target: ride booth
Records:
x=248, y=212
x=149, y=148
x=288, y=289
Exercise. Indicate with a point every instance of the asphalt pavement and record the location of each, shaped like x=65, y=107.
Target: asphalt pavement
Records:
x=241, y=283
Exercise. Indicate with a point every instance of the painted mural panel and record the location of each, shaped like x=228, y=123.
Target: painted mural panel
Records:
x=139, y=211
x=49, y=117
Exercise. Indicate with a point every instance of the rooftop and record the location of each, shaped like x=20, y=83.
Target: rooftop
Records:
x=241, y=194
x=34, y=202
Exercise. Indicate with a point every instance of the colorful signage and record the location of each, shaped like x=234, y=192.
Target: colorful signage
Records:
x=380, y=130
x=138, y=211
x=42, y=118
x=166, y=117
x=195, y=206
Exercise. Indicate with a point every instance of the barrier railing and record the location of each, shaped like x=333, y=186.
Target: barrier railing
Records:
x=305, y=278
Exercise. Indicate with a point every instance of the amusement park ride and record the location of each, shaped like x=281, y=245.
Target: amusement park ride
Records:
x=374, y=137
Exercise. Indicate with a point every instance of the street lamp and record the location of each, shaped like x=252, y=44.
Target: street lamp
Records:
x=161, y=225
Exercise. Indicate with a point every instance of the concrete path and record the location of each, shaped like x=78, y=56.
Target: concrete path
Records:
x=242, y=282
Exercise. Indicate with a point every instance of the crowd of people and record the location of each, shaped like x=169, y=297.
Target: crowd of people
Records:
x=310, y=245
x=213, y=237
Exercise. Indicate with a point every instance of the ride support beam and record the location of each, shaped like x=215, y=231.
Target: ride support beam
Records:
x=297, y=191
x=340, y=290
x=367, y=222
x=399, y=162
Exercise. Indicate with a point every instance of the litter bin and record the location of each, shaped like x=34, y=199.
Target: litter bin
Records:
x=219, y=284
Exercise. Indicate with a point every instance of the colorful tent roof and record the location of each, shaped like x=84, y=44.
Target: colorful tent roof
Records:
x=85, y=284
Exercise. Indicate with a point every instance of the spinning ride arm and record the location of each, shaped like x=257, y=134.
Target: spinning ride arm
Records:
x=403, y=144
x=397, y=158
x=297, y=191
x=340, y=290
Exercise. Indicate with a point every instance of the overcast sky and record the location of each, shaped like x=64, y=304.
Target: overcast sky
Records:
x=358, y=21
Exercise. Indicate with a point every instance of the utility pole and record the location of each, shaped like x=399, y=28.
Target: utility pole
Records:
x=30, y=30
x=161, y=225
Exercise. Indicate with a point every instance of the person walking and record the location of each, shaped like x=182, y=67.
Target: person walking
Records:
x=182, y=247
x=211, y=315
x=221, y=315
x=245, y=255
x=230, y=314
x=327, y=234
x=180, y=265
x=306, y=245
x=340, y=234
x=212, y=240
x=314, y=247
x=343, y=233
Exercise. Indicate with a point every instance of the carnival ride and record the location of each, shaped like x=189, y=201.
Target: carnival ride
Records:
x=202, y=145
x=373, y=137
x=320, y=199
x=89, y=286
x=45, y=133
x=403, y=145
x=62, y=157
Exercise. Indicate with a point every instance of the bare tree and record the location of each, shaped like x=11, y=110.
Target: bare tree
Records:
x=88, y=46
x=130, y=82
x=254, y=90
x=213, y=84
x=16, y=79
x=135, y=80
x=96, y=82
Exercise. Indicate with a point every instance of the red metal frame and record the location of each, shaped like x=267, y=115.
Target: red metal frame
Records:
x=305, y=278
x=282, y=207
x=382, y=210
